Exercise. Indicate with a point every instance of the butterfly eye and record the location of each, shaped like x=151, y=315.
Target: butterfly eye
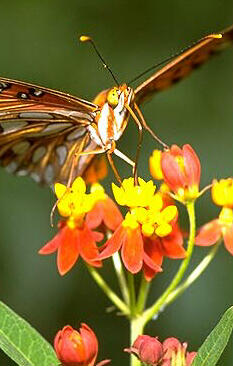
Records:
x=113, y=97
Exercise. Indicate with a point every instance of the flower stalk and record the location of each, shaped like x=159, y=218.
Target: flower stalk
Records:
x=156, y=307
x=108, y=291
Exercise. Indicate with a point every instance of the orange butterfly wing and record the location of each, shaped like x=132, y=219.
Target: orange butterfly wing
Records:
x=182, y=65
x=41, y=129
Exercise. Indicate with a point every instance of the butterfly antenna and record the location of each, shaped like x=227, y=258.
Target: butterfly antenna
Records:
x=89, y=39
x=169, y=58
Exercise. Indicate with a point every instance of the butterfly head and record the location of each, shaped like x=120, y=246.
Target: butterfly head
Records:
x=118, y=96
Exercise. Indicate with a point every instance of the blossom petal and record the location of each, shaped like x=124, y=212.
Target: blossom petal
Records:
x=112, y=215
x=152, y=258
x=173, y=175
x=209, y=233
x=90, y=343
x=132, y=250
x=87, y=246
x=97, y=236
x=95, y=216
x=113, y=244
x=52, y=245
x=228, y=239
x=173, y=244
x=192, y=165
x=68, y=250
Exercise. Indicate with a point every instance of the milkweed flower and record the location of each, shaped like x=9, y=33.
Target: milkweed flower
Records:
x=77, y=348
x=180, y=168
x=222, y=227
x=76, y=236
x=151, y=351
x=148, y=231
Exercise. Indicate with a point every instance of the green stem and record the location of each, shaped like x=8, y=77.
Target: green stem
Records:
x=143, y=294
x=108, y=291
x=155, y=308
x=194, y=275
x=136, y=329
x=121, y=276
x=132, y=297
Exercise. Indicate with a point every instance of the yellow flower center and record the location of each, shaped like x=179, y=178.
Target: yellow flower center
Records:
x=74, y=202
x=222, y=192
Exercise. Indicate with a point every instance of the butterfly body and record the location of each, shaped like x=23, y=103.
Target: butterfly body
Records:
x=112, y=117
x=42, y=130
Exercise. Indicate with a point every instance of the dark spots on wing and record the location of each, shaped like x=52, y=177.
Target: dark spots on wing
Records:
x=176, y=79
x=4, y=86
x=36, y=92
x=22, y=95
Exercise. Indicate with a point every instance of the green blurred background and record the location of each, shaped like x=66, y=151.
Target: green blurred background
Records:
x=39, y=44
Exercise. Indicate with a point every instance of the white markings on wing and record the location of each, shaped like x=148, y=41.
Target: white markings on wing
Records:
x=13, y=126
x=76, y=134
x=36, y=115
x=38, y=154
x=21, y=147
x=61, y=154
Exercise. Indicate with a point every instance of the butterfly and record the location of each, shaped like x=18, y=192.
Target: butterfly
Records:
x=47, y=134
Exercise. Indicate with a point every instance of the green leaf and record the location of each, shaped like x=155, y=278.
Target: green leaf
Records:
x=22, y=343
x=211, y=350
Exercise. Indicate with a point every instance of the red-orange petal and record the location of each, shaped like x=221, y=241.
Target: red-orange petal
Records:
x=87, y=246
x=52, y=245
x=192, y=165
x=172, y=173
x=113, y=244
x=209, y=233
x=132, y=250
x=152, y=258
x=68, y=250
x=112, y=215
x=173, y=244
x=228, y=239
x=95, y=216
x=90, y=343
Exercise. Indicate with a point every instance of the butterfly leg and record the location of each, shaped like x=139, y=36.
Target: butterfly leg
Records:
x=139, y=145
x=145, y=125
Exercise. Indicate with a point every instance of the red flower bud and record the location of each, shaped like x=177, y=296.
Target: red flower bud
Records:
x=76, y=348
x=148, y=349
x=181, y=170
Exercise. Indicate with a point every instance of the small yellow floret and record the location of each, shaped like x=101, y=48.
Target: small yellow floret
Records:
x=74, y=202
x=148, y=229
x=130, y=222
x=226, y=216
x=222, y=192
x=155, y=165
x=163, y=230
x=169, y=213
x=134, y=196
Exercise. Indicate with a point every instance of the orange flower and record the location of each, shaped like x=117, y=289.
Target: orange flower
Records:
x=148, y=231
x=77, y=348
x=222, y=227
x=181, y=171
x=83, y=213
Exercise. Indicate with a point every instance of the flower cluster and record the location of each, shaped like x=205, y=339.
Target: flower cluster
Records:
x=151, y=351
x=77, y=348
x=149, y=230
x=222, y=227
x=83, y=213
